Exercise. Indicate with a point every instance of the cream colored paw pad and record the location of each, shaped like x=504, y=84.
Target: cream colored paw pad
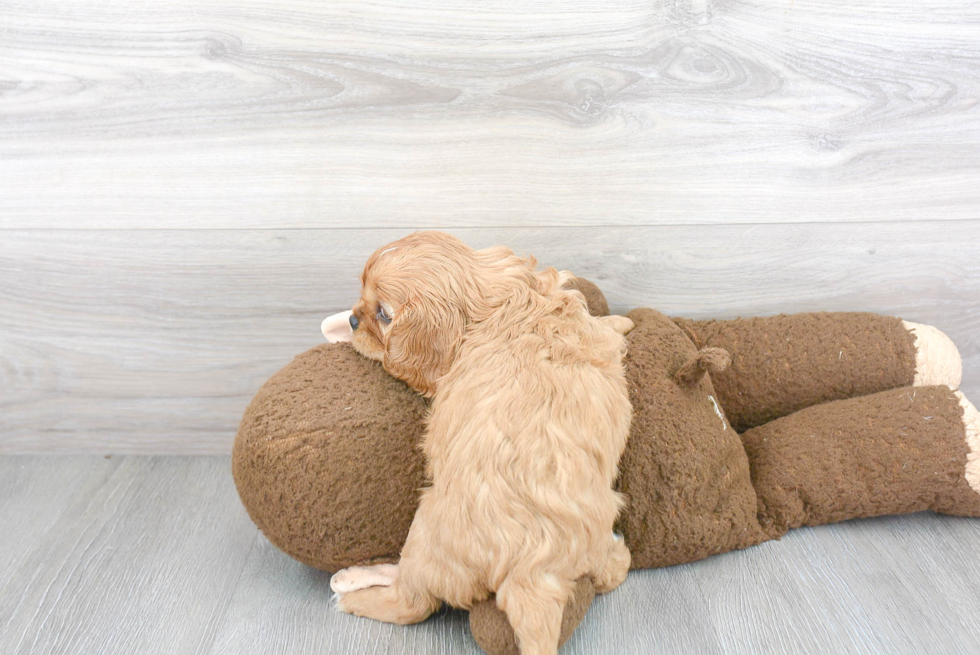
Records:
x=356, y=578
x=336, y=328
x=937, y=359
x=971, y=422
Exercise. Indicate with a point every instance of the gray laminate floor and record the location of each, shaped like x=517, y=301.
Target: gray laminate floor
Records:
x=156, y=555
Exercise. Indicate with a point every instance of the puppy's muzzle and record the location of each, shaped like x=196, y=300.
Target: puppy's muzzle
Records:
x=354, y=322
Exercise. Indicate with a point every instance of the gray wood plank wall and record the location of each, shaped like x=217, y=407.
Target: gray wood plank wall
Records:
x=187, y=188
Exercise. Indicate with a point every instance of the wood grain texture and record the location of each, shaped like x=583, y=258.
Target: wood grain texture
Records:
x=156, y=555
x=143, y=557
x=282, y=607
x=715, y=157
x=859, y=587
x=365, y=114
x=846, y=588
x=155, y=341
x=856, y=570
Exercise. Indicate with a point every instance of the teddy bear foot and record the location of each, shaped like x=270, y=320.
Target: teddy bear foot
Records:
x=937, y=360
x=971, y=424
x=336, y=328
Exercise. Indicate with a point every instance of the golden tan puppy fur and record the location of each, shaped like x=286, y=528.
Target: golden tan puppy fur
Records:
x=529, y=417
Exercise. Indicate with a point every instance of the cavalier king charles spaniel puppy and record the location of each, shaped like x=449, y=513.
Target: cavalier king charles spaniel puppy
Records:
x=529, y=416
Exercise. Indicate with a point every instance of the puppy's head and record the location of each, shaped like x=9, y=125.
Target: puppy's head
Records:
x=413, y=307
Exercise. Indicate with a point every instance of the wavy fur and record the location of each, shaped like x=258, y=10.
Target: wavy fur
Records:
x=530, y=415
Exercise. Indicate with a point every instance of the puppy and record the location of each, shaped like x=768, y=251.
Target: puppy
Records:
x=529, y=417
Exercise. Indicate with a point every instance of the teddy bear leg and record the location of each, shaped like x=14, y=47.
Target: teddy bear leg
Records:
x=781, y=364
x=895, y=452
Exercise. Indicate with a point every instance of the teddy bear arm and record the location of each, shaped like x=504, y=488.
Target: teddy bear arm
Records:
x=781, y=364
x=895, y=452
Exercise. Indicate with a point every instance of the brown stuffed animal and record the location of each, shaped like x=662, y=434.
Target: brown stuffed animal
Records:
x=818, y=418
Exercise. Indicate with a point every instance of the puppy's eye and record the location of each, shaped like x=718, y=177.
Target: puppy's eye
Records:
x=383, y=315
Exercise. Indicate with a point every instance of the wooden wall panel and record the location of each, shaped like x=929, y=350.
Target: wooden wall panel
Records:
x=154, y=341
x=204, y=113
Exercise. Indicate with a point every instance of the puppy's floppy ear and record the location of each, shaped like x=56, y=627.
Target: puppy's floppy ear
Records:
x=421, y=342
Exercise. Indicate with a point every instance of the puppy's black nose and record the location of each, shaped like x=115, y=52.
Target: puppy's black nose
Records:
x=353, y=322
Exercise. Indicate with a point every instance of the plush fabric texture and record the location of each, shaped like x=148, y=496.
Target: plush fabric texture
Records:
x=893, y=452
x=684, y=472
x=322, y=441
x=317, y=434
x=784, y=363
x=492, y=631
x=327, y=465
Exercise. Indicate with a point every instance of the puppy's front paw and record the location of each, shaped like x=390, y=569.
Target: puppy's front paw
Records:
x=620, y=324
x=356, y=578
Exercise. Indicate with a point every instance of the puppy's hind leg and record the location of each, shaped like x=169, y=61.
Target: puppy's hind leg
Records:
x=534, y=605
